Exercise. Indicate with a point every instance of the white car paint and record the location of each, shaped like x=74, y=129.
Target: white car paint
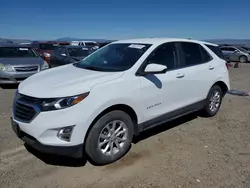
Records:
x=112, y=88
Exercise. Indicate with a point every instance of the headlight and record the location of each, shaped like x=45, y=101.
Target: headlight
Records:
x=45, y=65
x=61, y=103
x=6, y=68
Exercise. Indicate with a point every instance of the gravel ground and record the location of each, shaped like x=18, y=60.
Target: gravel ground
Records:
x=189, y=152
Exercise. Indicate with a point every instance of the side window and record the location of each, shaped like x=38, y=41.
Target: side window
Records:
x=191, y=53
x=63, y=51
x=206, y=57
x=166, y=54
x=58, y=51
x=223, y=49
x=216, y=50
x=231, y=49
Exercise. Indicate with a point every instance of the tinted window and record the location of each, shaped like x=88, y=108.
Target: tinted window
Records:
x=231, y=49
x=192, y=54
x=216, y=50
x=63, y=51
x=166, y=54
x=224, y=49
x=58, y=51
x=91, y=44
x=205, y=55
x=114, y=57
x=47, y=46
x=78, y=52
x=16, y=52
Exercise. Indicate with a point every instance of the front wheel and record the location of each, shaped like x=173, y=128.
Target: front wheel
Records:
x=110, y=138
x=213, y=102
x=243, y=59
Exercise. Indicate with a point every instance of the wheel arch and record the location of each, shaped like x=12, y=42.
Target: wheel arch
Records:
x=122, y=107
x=223, y=87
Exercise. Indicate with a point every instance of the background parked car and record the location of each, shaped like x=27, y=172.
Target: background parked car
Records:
x=18, y=62
x=216, y=49
x=63, y=55
x=233, y=53
x=44, y=48
x=92, y=44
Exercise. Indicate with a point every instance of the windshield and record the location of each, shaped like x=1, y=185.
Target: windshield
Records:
x=114, y=57
x=246, y=48
x=243, y=49
x=78, y=52
x=15, y=52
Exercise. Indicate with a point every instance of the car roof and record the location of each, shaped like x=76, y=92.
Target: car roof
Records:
x=15, y=45
x=158, y=41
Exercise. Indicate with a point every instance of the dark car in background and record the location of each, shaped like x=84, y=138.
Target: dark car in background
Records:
x=45, y=48
x=18, y=62
x=63, y=55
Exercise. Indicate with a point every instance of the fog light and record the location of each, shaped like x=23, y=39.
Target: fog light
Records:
x=65, y=133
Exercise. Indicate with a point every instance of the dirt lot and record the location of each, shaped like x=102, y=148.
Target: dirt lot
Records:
x=189, y=152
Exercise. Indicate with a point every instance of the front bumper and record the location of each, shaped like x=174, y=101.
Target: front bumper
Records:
x=69, y=151
x=13, y=77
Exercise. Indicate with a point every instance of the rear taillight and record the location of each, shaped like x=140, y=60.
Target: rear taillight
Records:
x=227, y=65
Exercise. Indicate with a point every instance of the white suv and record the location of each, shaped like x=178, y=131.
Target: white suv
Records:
x=95, y=106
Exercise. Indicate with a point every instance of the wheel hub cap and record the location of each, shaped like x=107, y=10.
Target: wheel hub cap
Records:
x=214, y=101
x=112, y=137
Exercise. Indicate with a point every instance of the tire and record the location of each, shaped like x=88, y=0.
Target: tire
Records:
x=95, y=153
x=211, y=108
x=243, y=59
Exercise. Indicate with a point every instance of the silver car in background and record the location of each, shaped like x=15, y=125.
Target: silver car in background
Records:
x=232, y=53
x=18, y=62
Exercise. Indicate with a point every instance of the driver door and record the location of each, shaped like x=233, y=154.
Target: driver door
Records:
x=162, y=93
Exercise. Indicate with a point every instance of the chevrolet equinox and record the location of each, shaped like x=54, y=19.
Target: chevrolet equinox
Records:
x=94, y=107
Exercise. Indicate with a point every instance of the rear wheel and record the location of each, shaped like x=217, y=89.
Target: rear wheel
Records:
x=110, y=138
x=213, y=102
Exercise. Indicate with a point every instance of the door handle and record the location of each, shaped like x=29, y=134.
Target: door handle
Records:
x=211, y=67
x=180, y=75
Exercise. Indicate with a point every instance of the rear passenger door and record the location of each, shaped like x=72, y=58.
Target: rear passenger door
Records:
x=197, y=68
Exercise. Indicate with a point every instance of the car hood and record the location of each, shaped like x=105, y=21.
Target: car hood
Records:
x=66, y=80
x=21, y=61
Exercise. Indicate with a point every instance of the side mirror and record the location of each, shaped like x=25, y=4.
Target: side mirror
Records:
x=154, y=68
x=63, y=54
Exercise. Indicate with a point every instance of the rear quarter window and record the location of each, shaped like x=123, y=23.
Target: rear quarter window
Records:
x=193, y=54
x=216, y=50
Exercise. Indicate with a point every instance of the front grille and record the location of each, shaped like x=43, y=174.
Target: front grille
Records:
x=28, y=99
x=24, y=112
x=27, y=68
